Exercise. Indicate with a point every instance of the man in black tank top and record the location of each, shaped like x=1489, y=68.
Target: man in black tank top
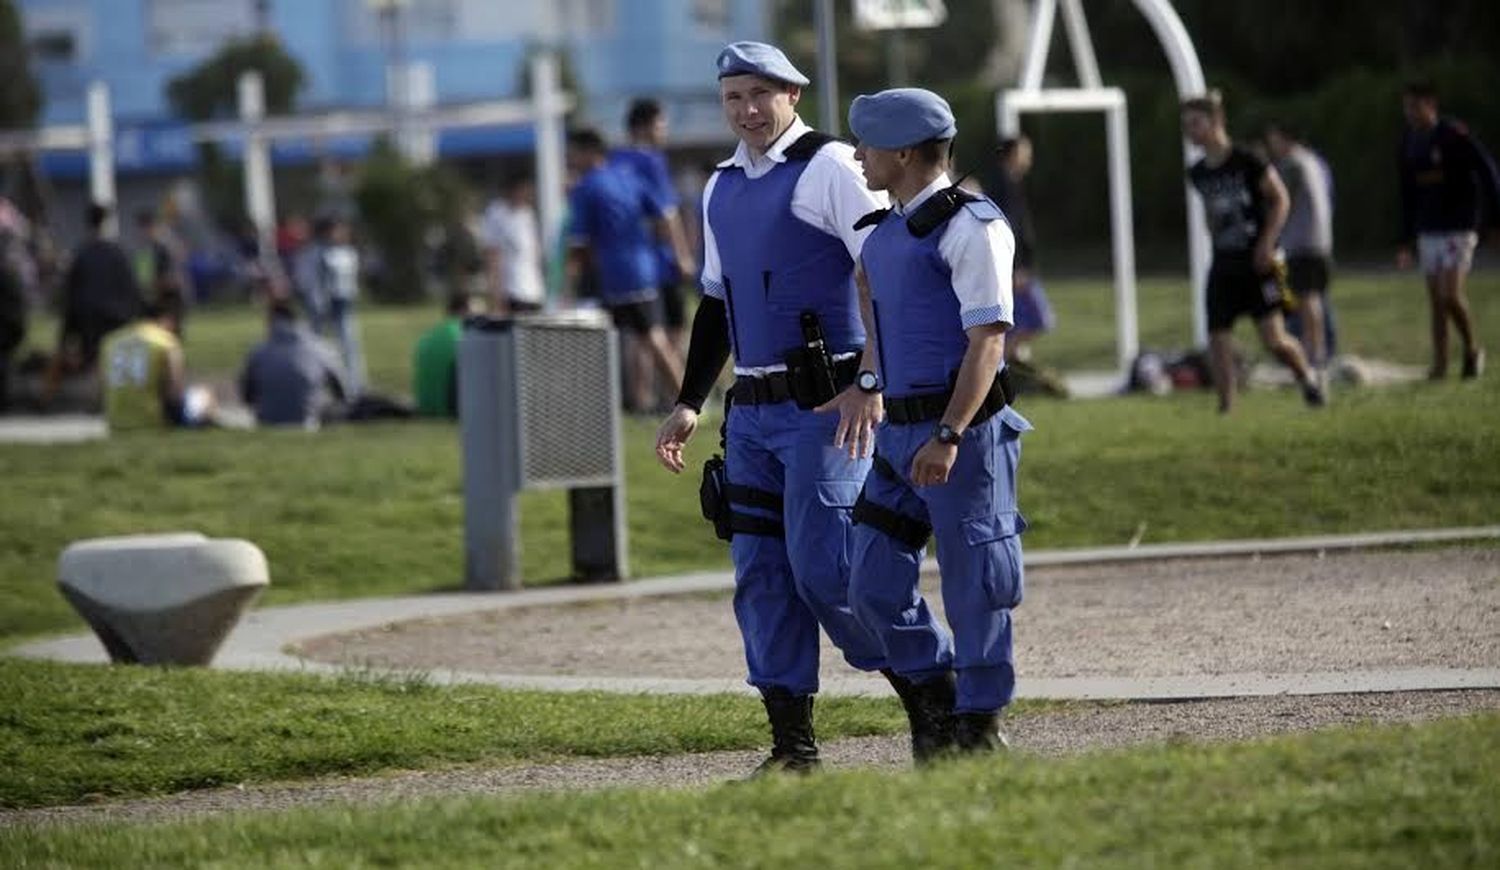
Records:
x=1246, y=205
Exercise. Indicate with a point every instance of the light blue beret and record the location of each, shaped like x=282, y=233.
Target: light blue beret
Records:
x=758, y=59
x=901, y=117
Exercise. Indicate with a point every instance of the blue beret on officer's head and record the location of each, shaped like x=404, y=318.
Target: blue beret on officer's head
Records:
x=900, y=118
x=758, y=59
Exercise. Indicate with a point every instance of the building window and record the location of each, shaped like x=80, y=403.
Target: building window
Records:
x=585, y=17
x=55, y=46
x=196, y=27
x=59, y=34
x=711, y=16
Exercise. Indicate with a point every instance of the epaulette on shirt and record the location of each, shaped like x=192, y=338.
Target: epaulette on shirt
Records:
x=807, y=145
x=945, y=204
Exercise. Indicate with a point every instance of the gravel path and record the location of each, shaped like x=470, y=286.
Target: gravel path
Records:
x=1287, y=614
x=1058, y=732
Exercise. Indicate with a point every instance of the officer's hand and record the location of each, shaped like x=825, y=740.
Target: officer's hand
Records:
x=932, y=463
x=859, y=413
x=673, y=435
x=1403, y=258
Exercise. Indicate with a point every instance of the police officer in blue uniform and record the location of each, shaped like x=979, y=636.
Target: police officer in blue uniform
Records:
x=938, y=269
x=778, y=292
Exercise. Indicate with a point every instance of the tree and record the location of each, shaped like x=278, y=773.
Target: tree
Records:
x=20, y=98
x=211, y=89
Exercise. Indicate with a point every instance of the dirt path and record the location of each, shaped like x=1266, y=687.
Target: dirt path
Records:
x=1289, y=614
x=1071, y=730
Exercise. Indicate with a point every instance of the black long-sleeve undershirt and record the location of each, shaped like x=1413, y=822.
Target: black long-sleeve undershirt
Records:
x=708, y=350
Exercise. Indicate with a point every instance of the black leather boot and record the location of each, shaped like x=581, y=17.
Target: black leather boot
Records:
x=794, y=748
x=929, y=709
x=978, y=733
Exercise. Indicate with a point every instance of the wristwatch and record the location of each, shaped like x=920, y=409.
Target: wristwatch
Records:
x=946, y=434
x=867, y=381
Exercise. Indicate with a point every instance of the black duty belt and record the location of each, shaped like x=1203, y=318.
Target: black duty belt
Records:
x=921, y=407
x=776, y=387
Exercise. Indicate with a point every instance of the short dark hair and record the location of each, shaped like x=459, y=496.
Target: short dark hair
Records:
x=167, y=303
x=1009, y=144
x=96, y=214
x=1211, y=103
x=643, y=112
x=323, y=226
x=1421, y=89
x=1275, y=127
x=458, y=302
x=282, y=308
x=512, y=181
x=586, y=139
x=933, y=151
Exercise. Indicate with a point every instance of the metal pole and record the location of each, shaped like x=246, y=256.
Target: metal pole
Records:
x=895, y=57
x=260, y=192
x=101, y=138
x=828, y=69
x=547, y=108
x=1122, y=235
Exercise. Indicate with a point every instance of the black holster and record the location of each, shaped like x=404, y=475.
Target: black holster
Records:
x=713, y=497
x=809, y=368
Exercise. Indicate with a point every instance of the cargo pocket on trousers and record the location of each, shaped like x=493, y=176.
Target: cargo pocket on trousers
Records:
x=839, y=493
x=995, y=547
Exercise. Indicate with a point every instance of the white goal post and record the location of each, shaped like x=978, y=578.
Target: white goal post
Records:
x=1092, y=96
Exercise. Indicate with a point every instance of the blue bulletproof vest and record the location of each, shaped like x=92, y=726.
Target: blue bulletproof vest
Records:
x=776, y=266
x=917, y=322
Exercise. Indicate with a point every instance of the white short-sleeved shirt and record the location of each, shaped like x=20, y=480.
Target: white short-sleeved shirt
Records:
x=980, y=254
x=513, y=232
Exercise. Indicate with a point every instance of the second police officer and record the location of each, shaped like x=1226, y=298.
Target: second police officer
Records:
x=778, y=292
x=938, y=267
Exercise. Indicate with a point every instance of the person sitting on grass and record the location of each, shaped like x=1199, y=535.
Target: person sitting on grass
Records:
x=292, y=378
x=145, y=375
x=435, y=361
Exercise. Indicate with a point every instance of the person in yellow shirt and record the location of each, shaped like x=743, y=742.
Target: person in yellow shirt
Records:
x=144, y=375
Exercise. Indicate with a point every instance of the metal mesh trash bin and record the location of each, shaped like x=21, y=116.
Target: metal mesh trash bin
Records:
x=538, y=404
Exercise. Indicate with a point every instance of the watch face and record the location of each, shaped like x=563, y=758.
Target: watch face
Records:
x=947, y=435
x=868, y=382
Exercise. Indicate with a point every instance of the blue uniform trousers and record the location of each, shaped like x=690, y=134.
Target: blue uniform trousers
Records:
x=977, y=527
x=786, y=587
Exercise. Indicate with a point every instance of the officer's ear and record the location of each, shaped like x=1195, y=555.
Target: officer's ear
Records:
x=793, y=94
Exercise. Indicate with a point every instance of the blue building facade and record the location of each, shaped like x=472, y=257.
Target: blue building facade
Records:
x=476, y=49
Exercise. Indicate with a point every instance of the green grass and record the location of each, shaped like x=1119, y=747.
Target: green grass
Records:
x=1380, y=316
x=377, y=510
x=88, y=732
x=1365, y=797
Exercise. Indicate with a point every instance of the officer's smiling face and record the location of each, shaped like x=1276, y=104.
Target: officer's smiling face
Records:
x=758, y=110
x=880, y=166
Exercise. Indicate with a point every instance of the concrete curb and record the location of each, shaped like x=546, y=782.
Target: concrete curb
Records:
x=260, y=641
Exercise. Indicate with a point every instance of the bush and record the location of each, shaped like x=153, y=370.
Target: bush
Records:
x=402, y=207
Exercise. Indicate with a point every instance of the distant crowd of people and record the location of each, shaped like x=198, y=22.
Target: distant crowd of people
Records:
x=633, y=245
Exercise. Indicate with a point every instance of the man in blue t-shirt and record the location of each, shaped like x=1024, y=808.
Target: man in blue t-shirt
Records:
x=609, y=213
x=646, y=130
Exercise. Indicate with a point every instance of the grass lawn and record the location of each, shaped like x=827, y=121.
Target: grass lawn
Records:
x=87, y=732
x=377, y=510
x=1388, y=797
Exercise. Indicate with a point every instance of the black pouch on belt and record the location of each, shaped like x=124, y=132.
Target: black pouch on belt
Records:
x=809, y=368
x=713, y=496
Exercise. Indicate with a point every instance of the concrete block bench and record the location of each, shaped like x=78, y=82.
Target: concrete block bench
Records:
x=162, y=599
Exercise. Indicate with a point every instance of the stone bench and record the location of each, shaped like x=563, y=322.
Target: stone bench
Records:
x=162, y=599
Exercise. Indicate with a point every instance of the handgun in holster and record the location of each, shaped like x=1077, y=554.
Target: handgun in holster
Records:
x=809, y=368
x=713, y=492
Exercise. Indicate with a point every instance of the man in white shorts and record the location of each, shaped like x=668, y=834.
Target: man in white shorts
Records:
x=1445, y=178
